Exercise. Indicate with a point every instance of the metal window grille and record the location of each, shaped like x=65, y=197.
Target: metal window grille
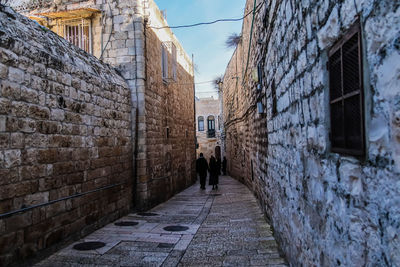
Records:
x=211, y=126
x=346, y=95
x=78, y=32
x=211, y=123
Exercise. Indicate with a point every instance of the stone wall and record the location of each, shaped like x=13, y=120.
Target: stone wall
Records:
x=65, y=140
x=125, y=36
x=327, y=209
x=166, y=163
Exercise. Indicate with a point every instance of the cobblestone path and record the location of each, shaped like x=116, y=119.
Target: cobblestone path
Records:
x=218, y=228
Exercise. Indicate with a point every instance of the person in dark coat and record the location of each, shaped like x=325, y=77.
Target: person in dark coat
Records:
x=224, y=162
x=213, y=169
x=201, y=169
x=219, y=164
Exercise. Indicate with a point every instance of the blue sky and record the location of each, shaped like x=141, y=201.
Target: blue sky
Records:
x=207, y=42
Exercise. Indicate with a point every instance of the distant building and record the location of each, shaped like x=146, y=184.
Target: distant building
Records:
x=208, y=127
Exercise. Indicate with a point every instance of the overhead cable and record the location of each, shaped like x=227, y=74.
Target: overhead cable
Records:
x=205, y=23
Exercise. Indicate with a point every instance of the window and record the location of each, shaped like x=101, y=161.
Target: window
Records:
x=211, y=123
x=78, y=32
x=260, y=76
x=174, y=61
x=201, y=123
x=274, y=101
x=346, y=95
x=164, y=62
x=211, y=126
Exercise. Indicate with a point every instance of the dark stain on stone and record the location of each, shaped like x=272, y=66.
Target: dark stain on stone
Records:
x=165, y=245
x=88, y=246
x=126, y=223
x=147, y=214
x=176, y=228
x=61, y=102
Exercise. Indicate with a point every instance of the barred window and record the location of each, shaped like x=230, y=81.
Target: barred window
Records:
x=78, y=32
x=346, y=95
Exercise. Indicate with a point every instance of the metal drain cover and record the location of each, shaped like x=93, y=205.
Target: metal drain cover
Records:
x=175, y=228
x=165, y=245
x=89, y=246
x=126, y=223
x=147, y=214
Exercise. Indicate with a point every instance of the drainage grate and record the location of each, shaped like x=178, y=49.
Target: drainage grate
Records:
x=89, y=246
x=165, y=245
x=175, y=228
x=215, y=195
x=126, y=223
x=147, y=214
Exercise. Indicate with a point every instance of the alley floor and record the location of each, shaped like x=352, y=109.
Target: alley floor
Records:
x=194, y=228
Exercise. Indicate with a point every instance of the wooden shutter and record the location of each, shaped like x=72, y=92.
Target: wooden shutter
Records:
x=346, y=95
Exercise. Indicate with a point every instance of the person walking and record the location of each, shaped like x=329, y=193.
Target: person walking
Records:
x=224, y=163
x=201, y=169
x=213, y=169
x=219, y=165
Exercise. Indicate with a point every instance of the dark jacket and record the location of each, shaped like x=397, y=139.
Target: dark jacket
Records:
x=213, y=172
x=224, y=163
x=201, y=166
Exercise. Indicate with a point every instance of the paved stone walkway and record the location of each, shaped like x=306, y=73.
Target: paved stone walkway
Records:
x=224, y=228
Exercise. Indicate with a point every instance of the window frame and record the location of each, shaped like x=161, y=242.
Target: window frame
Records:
x=164, y=62
x=355, y=29
x=80, y=23
x=200, y=119
x=212, y=121
x=174, y=61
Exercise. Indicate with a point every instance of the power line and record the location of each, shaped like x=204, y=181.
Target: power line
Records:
x=205, y=23
x=207, y=92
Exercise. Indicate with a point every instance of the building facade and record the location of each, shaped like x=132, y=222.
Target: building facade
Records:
x=311, y=104
x=209, y=131
x=95, y=119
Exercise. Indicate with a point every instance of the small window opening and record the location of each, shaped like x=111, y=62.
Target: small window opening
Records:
x=346, y=94
x=200, y=124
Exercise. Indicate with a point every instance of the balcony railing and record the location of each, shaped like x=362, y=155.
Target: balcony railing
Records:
x=210, y=133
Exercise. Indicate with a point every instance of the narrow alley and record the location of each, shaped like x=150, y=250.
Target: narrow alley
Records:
x=111, y=111
x=206, y=228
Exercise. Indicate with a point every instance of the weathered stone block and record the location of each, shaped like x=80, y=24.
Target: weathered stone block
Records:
x=12, y=158
x=10, y=90
x=3, y=71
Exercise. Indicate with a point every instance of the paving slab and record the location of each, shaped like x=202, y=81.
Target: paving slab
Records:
x=223, y=227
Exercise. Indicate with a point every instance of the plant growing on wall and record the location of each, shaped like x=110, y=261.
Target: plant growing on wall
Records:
x=233, y=40
x=218, y=82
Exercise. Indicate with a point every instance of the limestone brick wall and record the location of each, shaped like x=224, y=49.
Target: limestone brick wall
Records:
x=166, y=163
x=327, y=209
x=65, y=140
x=119, y=38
